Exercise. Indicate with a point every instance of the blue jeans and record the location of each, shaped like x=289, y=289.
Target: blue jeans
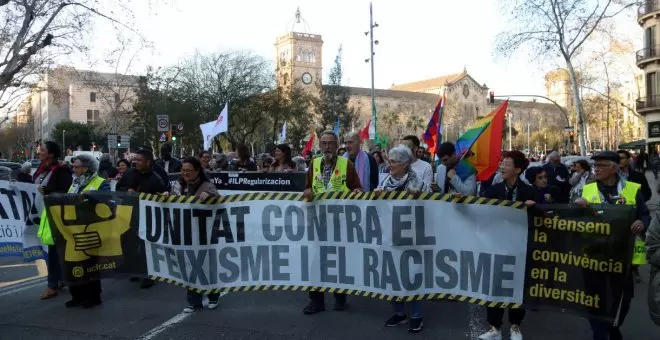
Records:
x=415, y=309
x=54, y=269
x=195, y=299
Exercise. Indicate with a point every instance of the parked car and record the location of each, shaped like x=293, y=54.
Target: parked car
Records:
x=9, y=170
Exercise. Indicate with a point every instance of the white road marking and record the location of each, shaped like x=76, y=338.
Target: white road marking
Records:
x=31, y=283
x=17, y=265
x=167, y=324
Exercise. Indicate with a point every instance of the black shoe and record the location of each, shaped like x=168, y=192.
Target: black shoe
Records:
x=135, y=279
x=91, y=303
x=396, y=320
x=146, y=283
x=313, y=308
x=416, y=325
x=72, y=303
x=340, y=305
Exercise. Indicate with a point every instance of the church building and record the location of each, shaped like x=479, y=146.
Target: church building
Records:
x=406, y=108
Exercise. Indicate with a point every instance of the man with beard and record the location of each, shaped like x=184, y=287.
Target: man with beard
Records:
x=330, y=173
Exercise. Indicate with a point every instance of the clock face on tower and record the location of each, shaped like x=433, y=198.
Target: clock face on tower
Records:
x=306, y=78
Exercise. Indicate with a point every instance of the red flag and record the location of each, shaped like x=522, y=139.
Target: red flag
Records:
x=309, y=145
x=364, y=133
x=431, y=134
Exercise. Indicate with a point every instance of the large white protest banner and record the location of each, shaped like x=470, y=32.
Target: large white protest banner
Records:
x=20, y=209
x=390, y=248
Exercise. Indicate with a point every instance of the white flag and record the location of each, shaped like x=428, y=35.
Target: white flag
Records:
x=216, y=127
x=283, y=134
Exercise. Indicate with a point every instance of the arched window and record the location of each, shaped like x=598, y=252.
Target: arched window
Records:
x=300, y=54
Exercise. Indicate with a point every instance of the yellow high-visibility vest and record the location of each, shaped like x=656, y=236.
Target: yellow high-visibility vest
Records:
x=629, y=193
x=337, y=181
x=44, y=233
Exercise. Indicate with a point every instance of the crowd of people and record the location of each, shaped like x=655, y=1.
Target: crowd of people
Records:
x=406, y=167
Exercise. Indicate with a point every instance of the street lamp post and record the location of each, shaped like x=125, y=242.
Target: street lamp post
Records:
x=510, y=114
x=63, y=145
x=372, y=42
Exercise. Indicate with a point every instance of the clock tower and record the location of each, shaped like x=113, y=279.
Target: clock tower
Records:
x=299, y=57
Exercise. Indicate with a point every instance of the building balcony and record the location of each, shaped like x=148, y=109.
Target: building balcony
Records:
x=648, y=9
x=648, y=104
x=647, y=55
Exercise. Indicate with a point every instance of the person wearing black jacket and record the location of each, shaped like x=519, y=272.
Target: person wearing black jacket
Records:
x=144, y=179
x=558, y=174
x=633, y=176
x=511, y=189
x=166, y=161
x=52, y=176
x=545, y=193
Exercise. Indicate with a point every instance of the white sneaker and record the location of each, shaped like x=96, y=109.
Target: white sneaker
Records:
x=212, y=304
x=492, y=334
x=191, y=309
x=515, y=333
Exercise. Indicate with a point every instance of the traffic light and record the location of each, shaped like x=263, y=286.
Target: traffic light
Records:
x=491, y=97
x=173, y=132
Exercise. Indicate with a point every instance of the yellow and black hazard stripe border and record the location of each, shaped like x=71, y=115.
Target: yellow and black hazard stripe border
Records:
x=385, y=196
x=252, y=196
x=291, y=288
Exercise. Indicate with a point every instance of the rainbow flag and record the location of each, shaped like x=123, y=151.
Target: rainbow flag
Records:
x=481, y=145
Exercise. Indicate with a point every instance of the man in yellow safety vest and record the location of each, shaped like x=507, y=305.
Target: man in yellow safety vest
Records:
x=329, y=173
x=611, y=188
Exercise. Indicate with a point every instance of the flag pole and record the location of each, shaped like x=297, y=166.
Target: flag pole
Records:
x=374, y=114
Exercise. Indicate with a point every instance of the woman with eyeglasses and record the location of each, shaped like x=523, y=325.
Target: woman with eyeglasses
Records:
x=193, y=182
x=86, y=178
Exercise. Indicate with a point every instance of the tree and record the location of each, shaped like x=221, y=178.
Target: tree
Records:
x=607, y=71
x=76, y=135
x=116, y=91
x=151, y=102
x=290, y=106
x=195, y=91
x=37, y=32
x=17, y=140
x=208, y=82
x=557, y=28
x=332, y=103
x=389, y=124
x=415, y=125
